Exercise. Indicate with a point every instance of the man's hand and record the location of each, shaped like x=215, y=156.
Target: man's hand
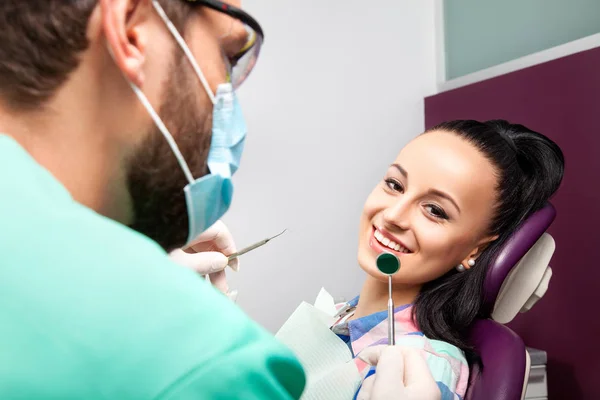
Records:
x=402, y=374
x=207, y=255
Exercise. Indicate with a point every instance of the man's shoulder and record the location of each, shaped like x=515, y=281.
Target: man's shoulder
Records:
x=108, y=303
x=96, y=308
x=41, y=222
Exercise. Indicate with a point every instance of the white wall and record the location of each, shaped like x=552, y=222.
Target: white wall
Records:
x=337, y=92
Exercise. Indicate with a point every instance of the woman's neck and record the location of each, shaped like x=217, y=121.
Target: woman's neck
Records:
x=374, y=296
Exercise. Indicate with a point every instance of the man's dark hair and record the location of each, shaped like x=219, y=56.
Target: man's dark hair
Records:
x=41, y=42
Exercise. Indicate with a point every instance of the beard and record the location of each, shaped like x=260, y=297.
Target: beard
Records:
x=155, y=179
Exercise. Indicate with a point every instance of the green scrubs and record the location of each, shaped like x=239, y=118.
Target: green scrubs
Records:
x=90, y=309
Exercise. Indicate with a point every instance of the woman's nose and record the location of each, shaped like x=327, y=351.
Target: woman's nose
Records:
x=398, y=214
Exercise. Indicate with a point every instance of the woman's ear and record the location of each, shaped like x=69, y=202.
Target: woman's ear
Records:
x=471, y=260
x=124, y=26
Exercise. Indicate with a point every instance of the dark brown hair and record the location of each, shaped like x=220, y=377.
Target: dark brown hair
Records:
x=40, y=45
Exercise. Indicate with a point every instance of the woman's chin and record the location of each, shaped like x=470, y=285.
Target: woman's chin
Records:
x=373, y=272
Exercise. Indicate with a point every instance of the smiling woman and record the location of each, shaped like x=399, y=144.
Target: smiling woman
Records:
x=418, y=208
x=445, y=206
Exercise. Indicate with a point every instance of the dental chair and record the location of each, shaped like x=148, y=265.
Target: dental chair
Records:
x=516, y=280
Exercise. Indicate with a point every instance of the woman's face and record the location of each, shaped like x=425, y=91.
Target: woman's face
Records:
x=432, y=209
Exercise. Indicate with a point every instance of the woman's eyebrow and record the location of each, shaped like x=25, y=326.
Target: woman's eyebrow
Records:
x=444, y=195
x=402, y=170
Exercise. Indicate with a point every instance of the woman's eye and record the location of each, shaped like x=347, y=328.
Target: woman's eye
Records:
x=436, y=211
x=394, y=185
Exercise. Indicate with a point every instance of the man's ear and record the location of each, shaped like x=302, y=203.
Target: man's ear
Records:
x=123, y=26
x=476, y=252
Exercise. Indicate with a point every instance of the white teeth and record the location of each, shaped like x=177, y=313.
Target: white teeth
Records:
x=389, y=243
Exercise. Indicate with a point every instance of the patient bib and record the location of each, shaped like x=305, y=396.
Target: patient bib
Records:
x=330, y=369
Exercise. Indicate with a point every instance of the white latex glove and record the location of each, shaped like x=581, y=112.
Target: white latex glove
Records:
x=402, y=374
x=207, y=255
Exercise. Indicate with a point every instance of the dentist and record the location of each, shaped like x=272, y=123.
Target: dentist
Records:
x=120, y=133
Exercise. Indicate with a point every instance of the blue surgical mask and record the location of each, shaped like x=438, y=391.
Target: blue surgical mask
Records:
x=209, y=197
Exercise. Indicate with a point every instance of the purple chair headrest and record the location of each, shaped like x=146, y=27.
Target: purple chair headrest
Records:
x=513, y=250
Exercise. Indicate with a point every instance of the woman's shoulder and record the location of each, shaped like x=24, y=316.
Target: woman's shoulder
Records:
x=446, y=350
x=447, y=364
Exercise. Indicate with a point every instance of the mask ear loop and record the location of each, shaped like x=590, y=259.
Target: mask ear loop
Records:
x=159, y=123
x=163, y=129
x=185, y=48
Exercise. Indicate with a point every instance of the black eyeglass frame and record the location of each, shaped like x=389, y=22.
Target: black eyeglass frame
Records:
x=232, y=12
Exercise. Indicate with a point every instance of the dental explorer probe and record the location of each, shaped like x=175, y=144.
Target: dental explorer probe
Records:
x=254, y=246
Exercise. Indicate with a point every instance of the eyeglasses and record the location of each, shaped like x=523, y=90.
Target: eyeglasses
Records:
x=241, y=64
